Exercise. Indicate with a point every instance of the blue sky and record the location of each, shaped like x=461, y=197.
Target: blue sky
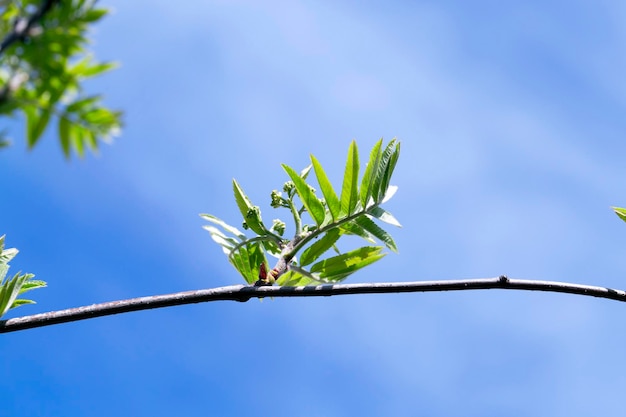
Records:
x=511, y=121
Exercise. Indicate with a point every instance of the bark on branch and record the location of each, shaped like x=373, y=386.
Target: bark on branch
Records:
x=244, y=293
x=23, y=26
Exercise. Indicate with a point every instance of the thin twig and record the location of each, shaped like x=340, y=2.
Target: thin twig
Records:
x=244, y=293
x=23, y=26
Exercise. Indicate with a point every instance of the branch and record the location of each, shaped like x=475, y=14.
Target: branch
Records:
x=244, y=293
x=23, y=26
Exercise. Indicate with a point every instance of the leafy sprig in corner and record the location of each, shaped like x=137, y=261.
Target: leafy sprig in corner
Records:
x=11, y=288
x=299, y=259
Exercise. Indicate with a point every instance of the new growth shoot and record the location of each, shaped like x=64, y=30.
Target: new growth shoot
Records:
x=303, y=259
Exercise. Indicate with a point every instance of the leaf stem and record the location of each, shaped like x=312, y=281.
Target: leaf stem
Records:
x=313, y=234
x=296, y=216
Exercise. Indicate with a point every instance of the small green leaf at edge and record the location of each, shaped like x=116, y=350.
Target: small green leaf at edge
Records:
x=9, y=292
x=621, y=212
x=309, y=199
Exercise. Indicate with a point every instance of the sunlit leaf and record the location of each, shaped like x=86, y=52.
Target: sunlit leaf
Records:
x=250, y=213
x=378, y=190
x=384, y=216
x=221, y=239
x=310, y=201
x=390, y=166
x=376, y=231
x=98, y=69
x=82, y=104
x=31, y=284
x=349, y=190
x=621, y=212
x=94, y=15
x=339, y=267
x=305, y=172
x=352, y=228
x=332, y=201
x=370, y=171
x=318, y=248
x=224, y=225
x=391, y=191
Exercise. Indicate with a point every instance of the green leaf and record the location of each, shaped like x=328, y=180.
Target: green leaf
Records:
x=77, y=134
x=349, y=191
x=227, y=243
x=320, y=247
x=40, y=126
x=352, y=228
x=21, y=302
x=83, y=104
x=391, y=165
x=305, y=172
x=384, y=216
x=339, y=267
x=256, y=255
x=231, y=229
x=375, y=230
x=250, y=213
x=292, y=279
x=31, y=122
x=10, y=289
x=378, y=190
x=64, y=134
x=94, y=15
x=332, y=201
x=310, y=201
x=98, y=69
x=31, y=284
x=243, y=202
x=391, y=191
x=240, y=261
x=621, y=212
x=368, y=176
x=247, y=259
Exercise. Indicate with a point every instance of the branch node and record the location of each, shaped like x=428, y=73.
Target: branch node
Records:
x=503, y=279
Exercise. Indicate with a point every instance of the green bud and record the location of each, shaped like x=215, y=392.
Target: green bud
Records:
x=289, y=187
x=254, y=222
x=277, y=199
x=278, y=226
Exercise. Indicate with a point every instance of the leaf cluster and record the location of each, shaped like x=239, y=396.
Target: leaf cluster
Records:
x=301, y=260
x=42, y=75
x=11, y=288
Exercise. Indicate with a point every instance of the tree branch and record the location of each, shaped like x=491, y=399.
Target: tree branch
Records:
x=23, y=26
x=244, y=293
